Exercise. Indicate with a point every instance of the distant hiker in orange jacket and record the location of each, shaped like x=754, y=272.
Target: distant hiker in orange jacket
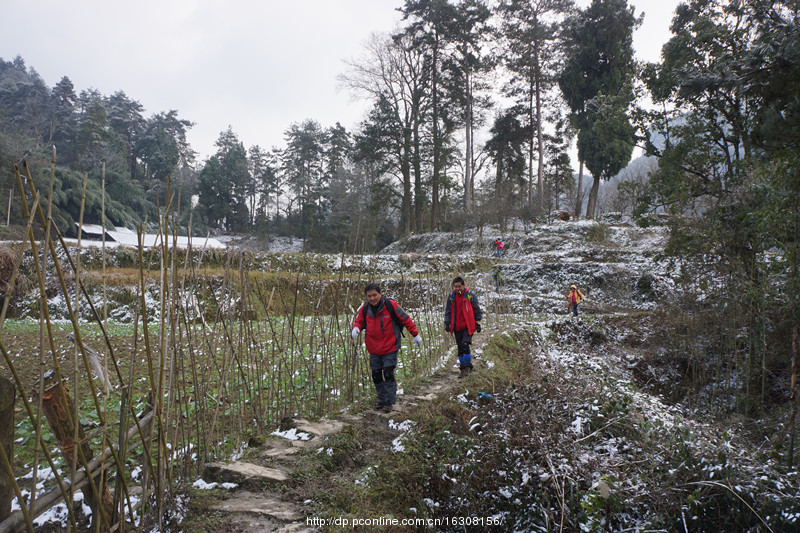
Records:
x=574, y=297
x=462, y=318
x=383, y=321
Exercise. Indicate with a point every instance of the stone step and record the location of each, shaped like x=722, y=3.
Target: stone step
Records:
x=249, y=502
x=298, y=527
x=281, y=453
x=424, y=398
x=322, y=428
x=240, y=472
x=316, y=442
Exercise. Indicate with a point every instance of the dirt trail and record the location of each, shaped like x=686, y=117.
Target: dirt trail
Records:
x=277, y=498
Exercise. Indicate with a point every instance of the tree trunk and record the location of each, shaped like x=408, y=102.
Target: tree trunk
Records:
x=405, y=169
x=419, y=194
x=498, y=176
x=436, y=141
x=579, y=193
x=532, y=122
x=558, y=200
x=499, y=204
x=469, y=198
x=539, y=136
x=133, y=168
x=593, y=197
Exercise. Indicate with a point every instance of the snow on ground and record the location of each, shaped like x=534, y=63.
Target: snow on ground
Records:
x=617, y=265
x=203, y=485
x=285, y=244
x=712, y=455
x=292, y=434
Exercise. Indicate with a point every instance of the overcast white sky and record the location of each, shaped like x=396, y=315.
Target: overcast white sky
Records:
x=256, y=65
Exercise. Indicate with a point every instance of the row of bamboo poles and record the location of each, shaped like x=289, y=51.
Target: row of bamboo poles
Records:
x=187, y=386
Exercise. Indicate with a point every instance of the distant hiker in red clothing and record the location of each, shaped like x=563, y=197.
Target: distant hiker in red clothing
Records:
x=499, y=246
x=574, y=297
x=383, y=321
x=462, y=318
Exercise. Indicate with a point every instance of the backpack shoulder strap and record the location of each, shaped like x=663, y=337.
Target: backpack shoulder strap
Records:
x=393, y=314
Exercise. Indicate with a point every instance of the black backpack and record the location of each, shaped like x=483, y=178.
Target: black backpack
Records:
x=392, y=313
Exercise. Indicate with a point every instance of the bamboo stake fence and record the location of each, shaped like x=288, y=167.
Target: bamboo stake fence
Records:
x=212, y=358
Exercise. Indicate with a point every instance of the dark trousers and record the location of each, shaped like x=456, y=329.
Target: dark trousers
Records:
x=382, y=367
x=575, y=308
x=464, y=340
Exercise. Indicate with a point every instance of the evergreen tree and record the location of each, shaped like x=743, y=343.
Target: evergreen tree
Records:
x=162, y=147
x=223, y=185
x=708, y=136
x=93, y=131
x=530, y=28
x=258, y=188
x=466, y=63
x=431, y=26
x=64, y=124
x=393, y=74
x=339, y=144
x=127, y=124
x=728, y=156
x=506, y=148
x=558, y=168
x=24, y=99
x=596, y=82
x=302, y=160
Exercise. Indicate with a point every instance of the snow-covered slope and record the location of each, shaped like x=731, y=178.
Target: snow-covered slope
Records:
x=616, y=266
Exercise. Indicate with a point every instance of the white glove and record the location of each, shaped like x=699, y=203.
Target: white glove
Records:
x=355, y=332
x=418, y=341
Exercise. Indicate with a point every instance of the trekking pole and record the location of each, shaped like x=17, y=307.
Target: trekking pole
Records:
x=353, y=366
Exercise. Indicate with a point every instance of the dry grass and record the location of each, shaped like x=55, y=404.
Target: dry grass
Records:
x=8, y=259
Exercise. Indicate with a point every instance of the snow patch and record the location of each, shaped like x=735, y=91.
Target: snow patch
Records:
x=292, y=434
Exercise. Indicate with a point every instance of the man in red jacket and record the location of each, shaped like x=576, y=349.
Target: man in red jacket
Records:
x=462, y=318
x=384, y=320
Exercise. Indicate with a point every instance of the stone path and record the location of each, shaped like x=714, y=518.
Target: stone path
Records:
x=262, y=503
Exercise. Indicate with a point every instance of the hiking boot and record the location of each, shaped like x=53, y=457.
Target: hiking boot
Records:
x=379, y=406
x=387, y=408
x=467, y=371
x=463, y=372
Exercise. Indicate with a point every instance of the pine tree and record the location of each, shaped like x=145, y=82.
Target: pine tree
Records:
x=596, y=82
x=465, y=64
x=63, y=121
x=93, y=130
x=223, y=185
x=530, y=28
x=506, y=148
x=127, y=124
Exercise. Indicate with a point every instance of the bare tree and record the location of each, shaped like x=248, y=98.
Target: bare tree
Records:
x=393, y=72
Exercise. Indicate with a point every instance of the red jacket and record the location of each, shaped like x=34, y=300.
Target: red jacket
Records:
x=462, y=311
x=383, y=334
